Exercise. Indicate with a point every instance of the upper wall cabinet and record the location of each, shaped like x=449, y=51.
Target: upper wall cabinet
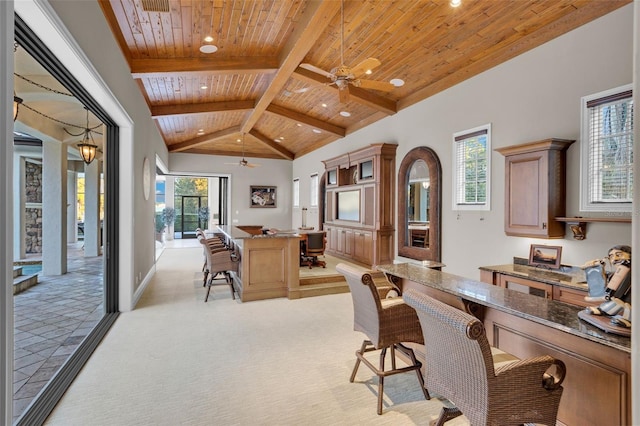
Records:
x=535, y=188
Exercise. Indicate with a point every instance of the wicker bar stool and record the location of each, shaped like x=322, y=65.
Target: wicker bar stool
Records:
x=387, y=323
x=488, y=386
x=218, y=261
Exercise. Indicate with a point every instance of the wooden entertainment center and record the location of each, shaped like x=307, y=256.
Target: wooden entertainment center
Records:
x=359, y=207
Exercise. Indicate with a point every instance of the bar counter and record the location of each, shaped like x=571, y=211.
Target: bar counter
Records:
x=268, y=263
x=597, y=389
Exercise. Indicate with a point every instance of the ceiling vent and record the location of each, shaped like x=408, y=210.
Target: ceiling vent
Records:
x=155, y=5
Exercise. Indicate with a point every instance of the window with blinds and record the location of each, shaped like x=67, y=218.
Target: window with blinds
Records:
x=471, y=171
x=313, y=190
x=296, y=192
x=607, y=163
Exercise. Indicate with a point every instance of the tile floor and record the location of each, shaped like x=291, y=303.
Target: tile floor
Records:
x=50, y=320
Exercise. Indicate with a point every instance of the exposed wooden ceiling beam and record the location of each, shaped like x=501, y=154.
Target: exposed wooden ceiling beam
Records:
x=147, y=68
x=317, y=16
x=275, y=147
x=356, y=94
x=204, y=139
x=305, y=119
x=169, y=110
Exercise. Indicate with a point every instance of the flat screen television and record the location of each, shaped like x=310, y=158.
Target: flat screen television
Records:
x=348, y=205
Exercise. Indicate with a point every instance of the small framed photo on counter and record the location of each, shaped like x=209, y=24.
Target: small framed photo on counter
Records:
x=263, y=196
x=545, y=256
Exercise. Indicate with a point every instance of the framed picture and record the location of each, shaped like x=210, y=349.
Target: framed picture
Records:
x=263, y=196
x=547, y=256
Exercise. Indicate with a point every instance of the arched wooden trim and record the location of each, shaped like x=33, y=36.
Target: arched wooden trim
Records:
x=435, y=175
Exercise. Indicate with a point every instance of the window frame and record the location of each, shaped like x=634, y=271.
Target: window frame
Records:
x=314, y=184
x=458, y=138
x=586, y=204
x=295, y=190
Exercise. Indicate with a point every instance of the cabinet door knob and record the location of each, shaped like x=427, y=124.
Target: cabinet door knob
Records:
x=544, y=225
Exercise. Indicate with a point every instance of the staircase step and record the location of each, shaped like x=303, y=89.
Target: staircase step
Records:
x=17, y=271
x=332, y=284
x=23, y=282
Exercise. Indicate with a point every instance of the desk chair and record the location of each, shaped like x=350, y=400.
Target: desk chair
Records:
x=314, y=247
x=386, y=322
x=487, y=385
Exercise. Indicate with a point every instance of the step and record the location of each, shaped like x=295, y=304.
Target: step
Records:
x=331, y=284
x=17, y=271
x=24, y=282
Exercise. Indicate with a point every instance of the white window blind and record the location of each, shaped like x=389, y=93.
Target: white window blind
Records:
x=609, y=157
x=313, y=191
x=296, y=192
x=471, y=180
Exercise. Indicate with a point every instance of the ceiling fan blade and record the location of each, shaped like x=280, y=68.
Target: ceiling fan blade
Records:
x=252, y=165
x=375, y=85
x=364, y=66
x=317, y=70
x=344, y=94
x=304, y=89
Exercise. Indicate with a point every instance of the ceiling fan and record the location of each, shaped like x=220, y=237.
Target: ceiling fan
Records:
x=243, y=162
x=343, y=76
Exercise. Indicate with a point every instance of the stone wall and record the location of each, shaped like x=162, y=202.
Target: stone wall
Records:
x=33, y=214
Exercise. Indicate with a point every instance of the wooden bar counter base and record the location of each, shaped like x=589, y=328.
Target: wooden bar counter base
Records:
x=597, y=388
x=269, y=263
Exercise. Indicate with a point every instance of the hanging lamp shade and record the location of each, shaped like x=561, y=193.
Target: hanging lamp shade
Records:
x=88, y=148
x=16, y=105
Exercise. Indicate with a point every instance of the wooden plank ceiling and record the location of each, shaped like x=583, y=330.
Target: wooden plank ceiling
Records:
x=254, y=84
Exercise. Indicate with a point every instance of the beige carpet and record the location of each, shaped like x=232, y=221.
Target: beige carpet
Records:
x=176, y=360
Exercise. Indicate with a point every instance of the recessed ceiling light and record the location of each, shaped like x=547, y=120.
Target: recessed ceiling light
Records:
x=324, y=105
x=397, y=82
x=316, y=131
x=455, y=3
x=298, y=124
x=208, y=48
x=204, y=87
x=368, y=72
x=208, y=39
x=277, y=140
x=238, y=140
x=345, y=113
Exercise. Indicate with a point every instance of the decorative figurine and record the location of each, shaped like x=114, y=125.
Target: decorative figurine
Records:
x=612, y=289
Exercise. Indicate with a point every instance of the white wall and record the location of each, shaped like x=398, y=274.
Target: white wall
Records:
x=270, y=173
x=532, y=97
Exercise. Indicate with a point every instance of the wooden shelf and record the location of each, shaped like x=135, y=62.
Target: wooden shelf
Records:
x=578, y=225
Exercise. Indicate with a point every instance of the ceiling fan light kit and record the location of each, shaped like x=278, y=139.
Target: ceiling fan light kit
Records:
x=243, y=162
x=342, y=76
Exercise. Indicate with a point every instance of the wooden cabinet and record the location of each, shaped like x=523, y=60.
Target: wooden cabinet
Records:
x=535, y=188
x=359, y=214
x=570, y=295
x=524, y=285
x=561, y=293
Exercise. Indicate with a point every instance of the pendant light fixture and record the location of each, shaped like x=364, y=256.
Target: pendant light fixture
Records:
x=16, y=105
x=88, y=150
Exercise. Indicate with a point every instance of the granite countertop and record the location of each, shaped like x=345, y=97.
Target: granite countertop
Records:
x=238, y=234
x=554, y=314
x=566, y=276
